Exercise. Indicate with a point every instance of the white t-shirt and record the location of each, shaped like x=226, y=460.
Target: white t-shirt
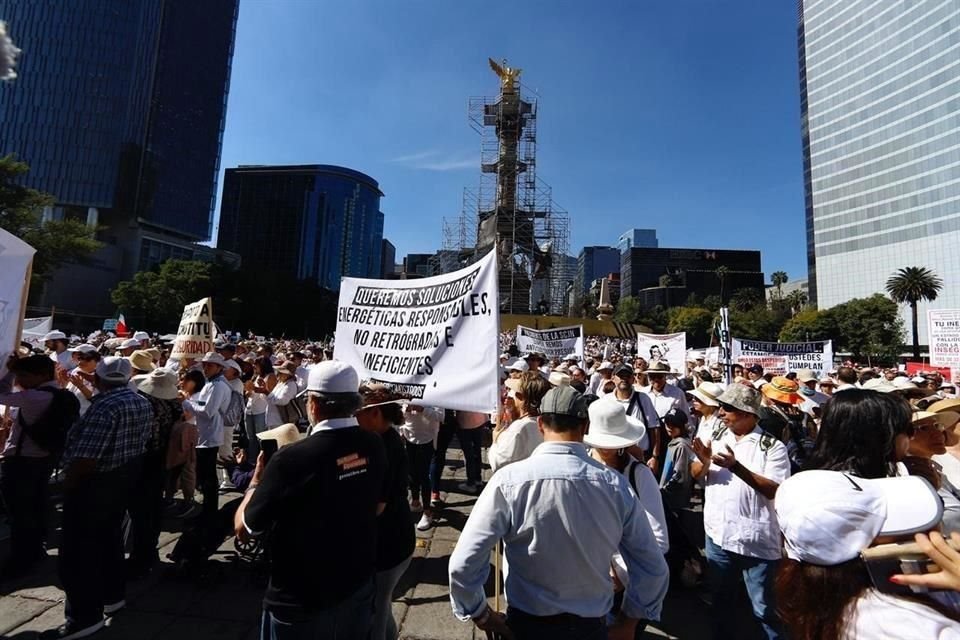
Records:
x=879, y=616
x=514, y=443
x=950, y=467
x=648, y=493
x=737, y=517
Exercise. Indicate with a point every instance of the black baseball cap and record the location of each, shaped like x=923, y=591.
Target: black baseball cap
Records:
x=755, y=368
x=675, y=418
x=623, y=369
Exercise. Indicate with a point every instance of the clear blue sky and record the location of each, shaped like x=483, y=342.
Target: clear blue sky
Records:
x=680, y=115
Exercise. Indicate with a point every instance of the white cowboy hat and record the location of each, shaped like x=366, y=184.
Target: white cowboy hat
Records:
x=611, y=427
x=707, y=393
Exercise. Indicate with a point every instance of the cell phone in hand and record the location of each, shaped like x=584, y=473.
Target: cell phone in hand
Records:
x=886, y=560
x=269, y=447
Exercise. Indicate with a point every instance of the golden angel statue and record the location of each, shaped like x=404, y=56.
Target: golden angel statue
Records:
x=508, y=75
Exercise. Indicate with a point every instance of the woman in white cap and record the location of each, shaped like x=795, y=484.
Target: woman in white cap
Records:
x=824, y=588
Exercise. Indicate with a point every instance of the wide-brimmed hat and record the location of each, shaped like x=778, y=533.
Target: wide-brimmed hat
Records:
x=559, y=379
x=288, y=368
x=611, y=427
x=154, y=353
x=829, y=517
x=232, y=364
x=284, y=434
x=949, y=404
x=944, y=418
x=214, y=358
x=708, y=393
x=806, y=375
x=783, y=390
x=828, y=382
x=160, y=383
x=742, y=397
x=660, y=366
x=881, y=385
x=141, y=360
x=908, y=388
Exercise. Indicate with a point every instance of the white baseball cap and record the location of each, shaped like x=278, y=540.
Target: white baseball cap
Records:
x=519, y=365
x=114, y=369
x=605, y=365
x=333, y=376
x=829, y=517
x=141, y=335
x=129, y=343
x=83, y=348
x=55, y=335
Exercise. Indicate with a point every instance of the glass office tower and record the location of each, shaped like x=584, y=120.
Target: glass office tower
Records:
x=880, y=106
x=303, y=222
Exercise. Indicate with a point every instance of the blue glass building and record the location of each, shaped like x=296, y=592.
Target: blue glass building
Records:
x=119, y=110
x=307, y=222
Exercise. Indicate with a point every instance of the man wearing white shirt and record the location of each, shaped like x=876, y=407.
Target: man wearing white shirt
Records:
x=741, y=466
x=208, y=407
x=663, y=398
x=56, y=345
x=603, y=373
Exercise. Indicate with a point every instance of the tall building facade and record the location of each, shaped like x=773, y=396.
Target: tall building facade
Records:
x=880, y=111
x=307, y=222
x=667, y=277
x=593, y=263
x=119, y=110
x=388, y=258
x=642, y=238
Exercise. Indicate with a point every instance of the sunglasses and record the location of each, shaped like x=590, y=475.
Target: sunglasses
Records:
x=927, y=427
x=728, y=408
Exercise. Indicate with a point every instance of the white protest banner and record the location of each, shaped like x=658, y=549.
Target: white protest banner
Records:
x=553, y=343
x=780, y=358
x=669, y=347
x=943, y=329
x=196, y=333
x=16, y=261
x=433, y=339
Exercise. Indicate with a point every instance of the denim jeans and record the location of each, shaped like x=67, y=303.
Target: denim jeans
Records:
x=725, y=570
x=470, y=440
x=349, y=619
x=384, y=626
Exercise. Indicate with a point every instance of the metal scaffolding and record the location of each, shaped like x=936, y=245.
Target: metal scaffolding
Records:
x=511, y=209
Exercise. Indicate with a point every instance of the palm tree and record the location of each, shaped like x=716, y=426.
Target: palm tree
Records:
x=778, y=279
x=722, y=276
x=911, y=285
x=796, y=299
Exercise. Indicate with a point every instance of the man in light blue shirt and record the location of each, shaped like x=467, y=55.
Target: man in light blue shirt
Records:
x=561, y=516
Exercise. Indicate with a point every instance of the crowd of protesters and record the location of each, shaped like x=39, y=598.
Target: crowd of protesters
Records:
x=806, y=480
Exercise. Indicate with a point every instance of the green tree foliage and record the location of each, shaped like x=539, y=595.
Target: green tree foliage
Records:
x=155, y=299
x=869, y=328
x=778, y=279
x=911, y=285
x=656, y=319
x=756, y=323
x=745, y=299
x=57, y=242
x=809, y=324
x=628, y=310
x=721, y=273
x=713, y=303
x=696, y=321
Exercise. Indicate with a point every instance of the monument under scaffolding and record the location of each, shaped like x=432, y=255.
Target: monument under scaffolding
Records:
x=511, y=209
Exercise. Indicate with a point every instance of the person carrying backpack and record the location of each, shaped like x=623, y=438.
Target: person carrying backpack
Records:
x=34, y=442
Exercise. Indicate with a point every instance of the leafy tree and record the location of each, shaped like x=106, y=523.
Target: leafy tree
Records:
x=870, y=328
x=696, y=321
x=756, y=323
x=778, y=279
x=796, y=300
x=155, y=299
x=628, y=310
x=655, y=318
x=713, y=303
x=809, y=324
x=745, y=299
x=57, y=242
x=911, y=285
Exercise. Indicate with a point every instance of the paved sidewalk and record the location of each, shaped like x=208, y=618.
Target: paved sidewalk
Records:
x=225, y=602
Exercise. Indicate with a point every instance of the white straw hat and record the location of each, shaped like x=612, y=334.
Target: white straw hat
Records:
x=611, y=427
x=707, y=393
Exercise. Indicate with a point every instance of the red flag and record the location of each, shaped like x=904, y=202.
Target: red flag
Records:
x=121, y=326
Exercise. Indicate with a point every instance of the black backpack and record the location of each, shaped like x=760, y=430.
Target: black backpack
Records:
x=49, y=432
